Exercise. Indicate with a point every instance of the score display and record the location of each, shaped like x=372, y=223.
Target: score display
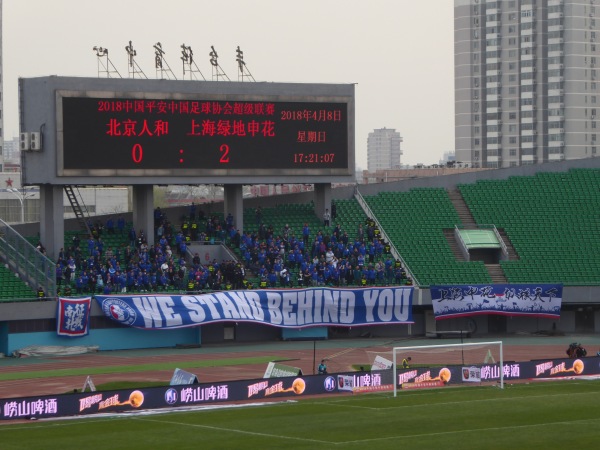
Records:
x=195, y=136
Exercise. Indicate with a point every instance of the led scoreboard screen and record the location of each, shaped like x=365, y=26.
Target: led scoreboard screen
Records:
x=203, y=136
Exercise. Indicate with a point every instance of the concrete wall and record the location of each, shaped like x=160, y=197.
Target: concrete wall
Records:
x=130, y=338
x=107, y=339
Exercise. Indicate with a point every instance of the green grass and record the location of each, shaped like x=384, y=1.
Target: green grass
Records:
x=137, y=368
x=542, y=415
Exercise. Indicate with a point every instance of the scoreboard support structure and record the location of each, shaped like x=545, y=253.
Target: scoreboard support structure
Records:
x=52, y=227
x=142, y=133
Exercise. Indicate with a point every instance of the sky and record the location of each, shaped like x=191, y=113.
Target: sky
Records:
x=399, y=53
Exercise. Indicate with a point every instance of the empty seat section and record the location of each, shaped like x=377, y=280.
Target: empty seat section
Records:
x=415, y=223
x=551, y=219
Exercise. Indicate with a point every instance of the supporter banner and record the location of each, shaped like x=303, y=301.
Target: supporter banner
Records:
x=73, y=316
x=536, y=300
x=182, y=396
x=289, y=308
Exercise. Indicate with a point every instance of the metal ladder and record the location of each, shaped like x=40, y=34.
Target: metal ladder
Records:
x=81, y=212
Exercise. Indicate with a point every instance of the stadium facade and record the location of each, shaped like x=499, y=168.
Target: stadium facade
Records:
x=526, y=81
x=28, y=323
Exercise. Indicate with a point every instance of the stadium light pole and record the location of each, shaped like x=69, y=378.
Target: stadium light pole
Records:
x=20, y=197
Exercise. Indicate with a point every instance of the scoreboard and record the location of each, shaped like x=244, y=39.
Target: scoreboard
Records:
x=106, y=131
x=202, y=136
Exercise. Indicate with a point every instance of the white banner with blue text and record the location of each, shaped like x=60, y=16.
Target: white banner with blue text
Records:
x=536, y=300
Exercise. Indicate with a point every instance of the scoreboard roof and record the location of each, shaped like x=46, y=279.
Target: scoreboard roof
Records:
x=124, y=131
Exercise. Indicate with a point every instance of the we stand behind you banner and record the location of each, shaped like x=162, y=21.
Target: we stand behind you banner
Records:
x=289, y=308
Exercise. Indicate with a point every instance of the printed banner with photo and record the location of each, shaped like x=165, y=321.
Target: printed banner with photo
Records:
x=289, y=308
x=536, y=300
x=471, y=374
x=345, y=383
x=73, y=316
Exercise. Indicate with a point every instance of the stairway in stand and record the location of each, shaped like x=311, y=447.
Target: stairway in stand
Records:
x=449, y=233
x=512, y=253
x=496, y=273
x=464, y=213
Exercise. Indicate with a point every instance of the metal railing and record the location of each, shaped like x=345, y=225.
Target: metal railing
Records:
x=502, y=243
x=21, y=257
x=462, y=244
x=394, y=251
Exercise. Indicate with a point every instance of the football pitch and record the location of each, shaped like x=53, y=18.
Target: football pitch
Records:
x=522, y=416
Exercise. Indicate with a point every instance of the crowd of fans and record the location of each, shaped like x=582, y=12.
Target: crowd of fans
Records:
x=327, y=257
x=136, y=267
x=276, y=258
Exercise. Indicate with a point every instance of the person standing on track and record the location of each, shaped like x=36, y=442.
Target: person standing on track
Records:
x=322, y=369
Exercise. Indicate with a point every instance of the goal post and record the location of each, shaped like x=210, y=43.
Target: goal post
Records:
x=455, y=355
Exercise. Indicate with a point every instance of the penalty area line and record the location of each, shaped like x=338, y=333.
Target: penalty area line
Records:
x=233, y=430
x=471, y=430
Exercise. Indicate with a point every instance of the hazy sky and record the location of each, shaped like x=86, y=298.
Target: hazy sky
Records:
x=398, y=52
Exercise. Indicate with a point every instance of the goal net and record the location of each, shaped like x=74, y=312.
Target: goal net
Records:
x=468, y=363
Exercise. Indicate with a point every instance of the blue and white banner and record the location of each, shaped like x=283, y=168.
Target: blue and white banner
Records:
x=73, y=316
x=289, y=308
x=536, y=300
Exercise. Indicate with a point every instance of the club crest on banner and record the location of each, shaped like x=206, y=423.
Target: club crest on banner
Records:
x=119, y=311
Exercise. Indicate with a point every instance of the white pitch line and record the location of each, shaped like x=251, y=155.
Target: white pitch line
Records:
x=233, y=430
x=343, y=402
x=470, y=430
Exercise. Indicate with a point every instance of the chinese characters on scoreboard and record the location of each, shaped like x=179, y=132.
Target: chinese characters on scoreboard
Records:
x=234, y=119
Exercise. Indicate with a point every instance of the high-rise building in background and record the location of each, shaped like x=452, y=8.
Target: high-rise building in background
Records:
x=383, y=149
x=526, y=81
x=11, y=151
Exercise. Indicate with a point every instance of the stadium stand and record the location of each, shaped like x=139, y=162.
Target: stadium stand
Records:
x=552, y=222
x=348, y=215
x=283, y=227
x=415, y=221
x=13, y=288
x=547, y=216
x=528, y=209
x=127, y=264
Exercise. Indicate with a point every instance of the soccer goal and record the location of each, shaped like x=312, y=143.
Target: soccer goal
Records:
x=463, y=356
